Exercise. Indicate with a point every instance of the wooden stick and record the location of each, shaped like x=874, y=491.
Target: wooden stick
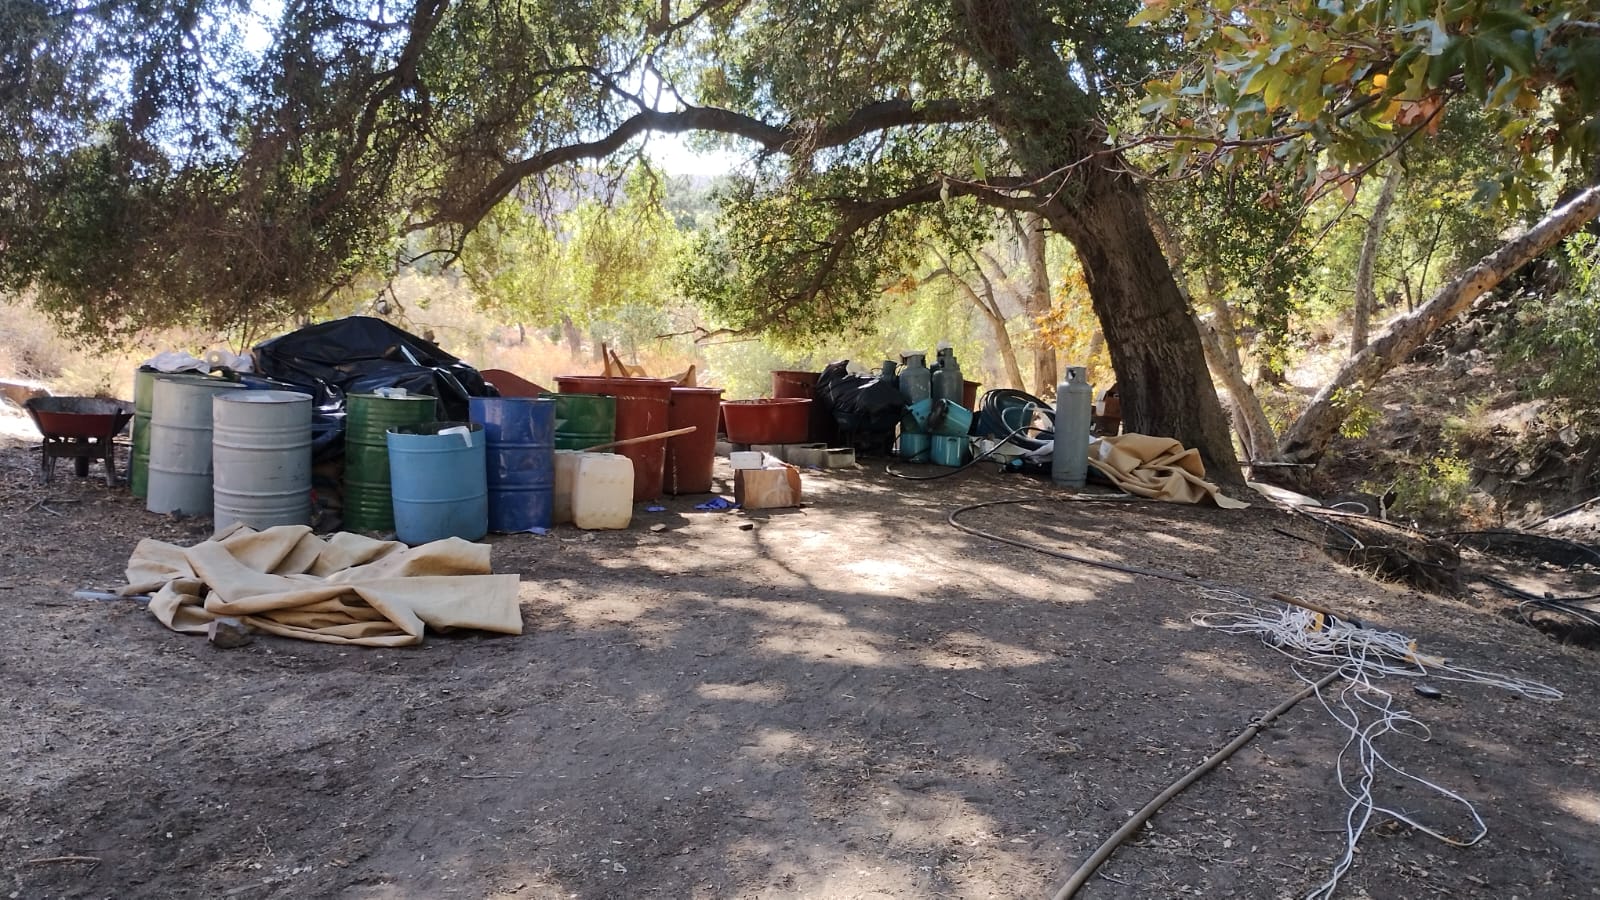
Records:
x=641, y=440
x=62, y=859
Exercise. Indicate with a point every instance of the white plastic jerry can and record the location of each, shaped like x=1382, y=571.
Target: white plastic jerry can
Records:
x=602, y=492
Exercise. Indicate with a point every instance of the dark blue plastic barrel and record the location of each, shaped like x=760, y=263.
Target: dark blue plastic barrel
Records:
x=521, y=436
x=437, y=481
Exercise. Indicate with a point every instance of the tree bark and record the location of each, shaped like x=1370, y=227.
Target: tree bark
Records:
x=988, y=304
x=1036, y=301
x=1051, y=129
x=1308, y=438
x=1366, y=294
x=1249, y=419
x=1155, y=349
x=574, y=337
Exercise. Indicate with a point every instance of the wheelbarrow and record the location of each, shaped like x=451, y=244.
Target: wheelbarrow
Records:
x=79, y=429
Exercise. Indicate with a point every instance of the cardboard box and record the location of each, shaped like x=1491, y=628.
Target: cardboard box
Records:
x=770, y=488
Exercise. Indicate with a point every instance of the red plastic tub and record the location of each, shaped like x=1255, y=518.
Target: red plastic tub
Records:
x=691, y=456
x=782, y=420
x=643, y=407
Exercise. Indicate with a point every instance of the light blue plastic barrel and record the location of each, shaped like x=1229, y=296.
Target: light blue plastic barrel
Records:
x=437, y=481
x=520, y=438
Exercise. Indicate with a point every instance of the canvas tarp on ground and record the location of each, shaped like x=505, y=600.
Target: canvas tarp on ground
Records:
x=345, y=588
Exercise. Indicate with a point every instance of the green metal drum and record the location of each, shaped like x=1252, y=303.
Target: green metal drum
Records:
x=368, y=505
x=584, y=420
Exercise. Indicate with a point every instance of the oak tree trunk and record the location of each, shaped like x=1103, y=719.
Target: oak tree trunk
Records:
x=1161, y=368
x=573, y=336
x=988, y=304
x=1052, y=129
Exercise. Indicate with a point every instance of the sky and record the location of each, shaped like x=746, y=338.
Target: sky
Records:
x=675, y=157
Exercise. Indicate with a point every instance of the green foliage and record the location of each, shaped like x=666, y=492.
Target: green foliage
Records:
x=1561, y=333
x=1245, y=243
x=1358, y=414
x=1437, y=490
x=794, y=260
x=1328, y=86
x=1472, y=428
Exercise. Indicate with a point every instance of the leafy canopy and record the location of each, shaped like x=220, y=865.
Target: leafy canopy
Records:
x=1332, y=86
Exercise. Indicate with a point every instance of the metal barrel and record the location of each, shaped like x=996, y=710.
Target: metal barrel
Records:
x=438, y=481
x=144, y=385
x=519, y=437
x=180, y=444
x=584, y=420
x=261, y=458
x=368, y=418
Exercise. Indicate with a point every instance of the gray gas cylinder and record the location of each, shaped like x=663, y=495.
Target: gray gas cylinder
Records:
x=916, y=382
x=1069, y=462
x=947, y=376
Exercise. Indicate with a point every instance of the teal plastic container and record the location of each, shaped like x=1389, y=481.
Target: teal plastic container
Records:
x=439, y=482
x=914, y=447
x=949, y=451
x=949, y=418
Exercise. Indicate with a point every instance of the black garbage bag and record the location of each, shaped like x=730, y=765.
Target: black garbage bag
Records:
x=357, y=355
x=866, y=409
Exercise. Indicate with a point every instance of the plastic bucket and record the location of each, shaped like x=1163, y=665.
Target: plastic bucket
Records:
x=438, y=481
x=949, y=419
x=914, y=447
x=261, y=457
x=643, y=408
x=368, y=505
x=794, y=384
x=947, y=450
x=690, y=457
x=144, y=386
x=785, y=420
x=915, y=418
x=520, y=460
x=180, y=444
x=584, y=420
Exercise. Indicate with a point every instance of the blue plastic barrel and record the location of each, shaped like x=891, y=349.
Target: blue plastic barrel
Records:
x=520, y=433
x=437, y=481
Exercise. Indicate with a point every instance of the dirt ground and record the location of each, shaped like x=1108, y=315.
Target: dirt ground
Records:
x=852, y=699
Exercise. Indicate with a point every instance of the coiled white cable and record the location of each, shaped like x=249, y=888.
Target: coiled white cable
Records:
x=1364, y=656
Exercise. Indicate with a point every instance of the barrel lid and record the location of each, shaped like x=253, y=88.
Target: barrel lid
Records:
x=264, y=397
x=407, y=398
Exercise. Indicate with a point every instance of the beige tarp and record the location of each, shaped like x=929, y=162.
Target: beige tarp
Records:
x=1156, y=467
x=345, y=589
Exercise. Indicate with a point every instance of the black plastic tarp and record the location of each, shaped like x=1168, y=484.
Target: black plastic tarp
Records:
x=358, y=355
x=865, y=408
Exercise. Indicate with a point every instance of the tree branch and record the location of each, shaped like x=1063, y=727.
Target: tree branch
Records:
x=778, y=138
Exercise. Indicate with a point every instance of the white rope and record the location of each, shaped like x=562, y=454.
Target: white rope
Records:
x=1364, y=656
